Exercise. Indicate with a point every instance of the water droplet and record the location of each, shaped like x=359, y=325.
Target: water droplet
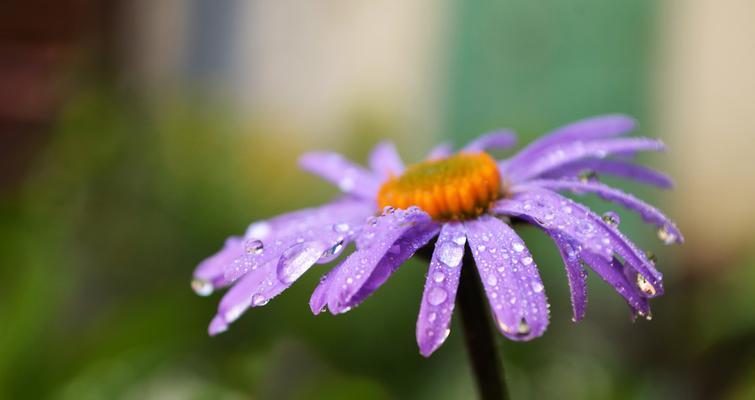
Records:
x=432, y=317
x=502, y=326
x=537, y=287
x=257, y=230
x=332, y=252
x=437, y=296
x=612, y=219
x=518, y=247
x=254, y=247
x=527, y=260
x=438, y=276
x=259, y=300
x=388, y=210
x=645, y=286
x=450, y=254
x=567, y=209
x=522, y=328
x=296, y=260
x=588, y=176
x=666, y=236
x=651, y=257
x=492, y=280
x=202, y=287
x=461, y=240
x=481, y=247
x=341, y=228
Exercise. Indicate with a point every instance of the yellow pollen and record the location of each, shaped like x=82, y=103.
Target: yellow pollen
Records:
x=456, y=187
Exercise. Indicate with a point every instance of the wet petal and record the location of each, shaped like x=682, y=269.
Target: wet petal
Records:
x=613, y=272
x=645, y=210
x=319, y=298
x=556, y=213
x=385, y=160
x=622, y=169
x=349, y=177
x=510, y=278
x=520, y=169
x=438, y=299
x=498, y=140
x=575, y=273
x=587, y=129
x=330, y=224
x=384, y=244
x=209, y=274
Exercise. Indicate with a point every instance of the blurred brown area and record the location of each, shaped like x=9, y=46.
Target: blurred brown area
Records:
x=40, y=42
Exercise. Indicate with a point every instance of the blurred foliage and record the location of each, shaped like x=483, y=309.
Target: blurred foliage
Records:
x=129, y=194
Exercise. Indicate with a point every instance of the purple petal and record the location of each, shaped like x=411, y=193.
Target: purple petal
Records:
x=670, y=233
x=385, y=160
x=209, y=274
x=555, y=213
x=613, y=272
x=576, y=275
x=587, y=129
x=217, y=326
x=349, y=177
x=622, y=169
x=522, y=168
x=442, y=150
x=434, y=320
x=319, y=298
x=498, y=140
x=510, y=278
x=328, y=224
x=384, y=244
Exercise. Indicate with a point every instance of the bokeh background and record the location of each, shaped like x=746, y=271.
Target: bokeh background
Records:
x=136, y=135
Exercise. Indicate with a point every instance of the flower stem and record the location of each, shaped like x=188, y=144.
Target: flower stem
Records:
x=478, y=335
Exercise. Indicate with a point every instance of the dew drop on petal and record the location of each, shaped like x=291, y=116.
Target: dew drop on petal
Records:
x=612, y=219
x=645, y=286
x=537, y=287
x=437, y=296
x=522, y=328
x=432, y=317
x=259, y=300
x=296, y=260
x=666, y=236
x=254, y=246
x=450, y=254
x=518, y=247
x=438, y=276
x=492, y=280
x=202, y=287
x=527, y=260
x=341, y=228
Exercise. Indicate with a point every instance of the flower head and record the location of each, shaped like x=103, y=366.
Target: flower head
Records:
x=465, y=199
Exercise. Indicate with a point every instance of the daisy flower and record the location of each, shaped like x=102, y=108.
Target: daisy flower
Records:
x=456, y=202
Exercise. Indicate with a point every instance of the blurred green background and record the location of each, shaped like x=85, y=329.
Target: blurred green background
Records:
x=136, y=136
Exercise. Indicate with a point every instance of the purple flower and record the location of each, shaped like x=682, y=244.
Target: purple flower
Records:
x=390, y=211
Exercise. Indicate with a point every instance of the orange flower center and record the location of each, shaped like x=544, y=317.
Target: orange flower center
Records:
x=456, y=187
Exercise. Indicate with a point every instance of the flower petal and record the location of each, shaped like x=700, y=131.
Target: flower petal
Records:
x=649, y=213
x=553, y=212
x=575, y=273
x=510, y=278
x=319, y=298
x=385, y=160
x=522, y=168
x=209, y=274
x=498, y=140
x=438, y=299
x=384, y=244
x=349, y=177
x=613, y=272
x=329, y=224
x=440, y=151
x=622, y=169
x=587, y=129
